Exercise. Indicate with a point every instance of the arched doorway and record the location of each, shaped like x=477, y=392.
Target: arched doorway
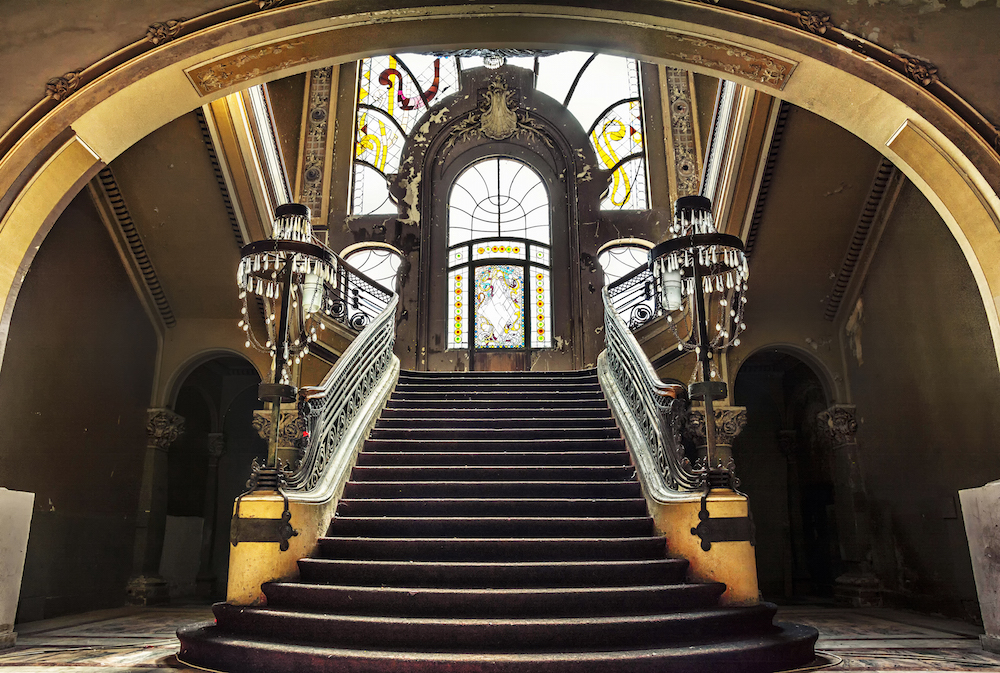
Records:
x=207, y=468
x=786, y=471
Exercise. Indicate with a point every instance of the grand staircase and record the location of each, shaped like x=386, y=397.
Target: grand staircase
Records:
x=494, y=523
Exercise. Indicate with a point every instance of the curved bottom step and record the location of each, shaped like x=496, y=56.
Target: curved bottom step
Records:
x=791, y=646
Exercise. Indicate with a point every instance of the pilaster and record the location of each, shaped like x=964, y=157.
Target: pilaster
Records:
x=146, y=587
x=858, y=586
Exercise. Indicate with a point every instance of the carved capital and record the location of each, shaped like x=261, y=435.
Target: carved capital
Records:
x=162, y=32
x=729, y=423
x=921, y=72
x=163, y=426
x=216, y=445
x=290, y=426
x=58, y=88
x=839, y=424
x=787, y=441
x=816, y=23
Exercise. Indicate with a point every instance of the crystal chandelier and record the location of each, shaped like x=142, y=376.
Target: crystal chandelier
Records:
x=292, y=279
x=701, y=276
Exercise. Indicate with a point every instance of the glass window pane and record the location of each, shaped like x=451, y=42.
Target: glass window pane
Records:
x=539, y=254
x=379, y=264
x=500, y=306
x=371, y=194
x=498, y=249
x=541, y=304
x=620, y=260
x=498, y=197
x=458, y=256
x=458, y=313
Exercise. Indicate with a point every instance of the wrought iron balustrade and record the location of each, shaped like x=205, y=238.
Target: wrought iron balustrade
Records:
x=357, y=299
x=330, y=409
x=634, y=298
x=655, y=410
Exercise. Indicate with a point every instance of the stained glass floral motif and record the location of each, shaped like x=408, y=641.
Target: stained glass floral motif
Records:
x=498, y=249
x=541, y=308
x=500, y=306
x=458, y=314
x=498, y=197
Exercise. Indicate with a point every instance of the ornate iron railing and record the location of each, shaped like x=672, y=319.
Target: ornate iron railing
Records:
x=654, y=409
x=633, y=297
x=358, y=298
x=329, y=409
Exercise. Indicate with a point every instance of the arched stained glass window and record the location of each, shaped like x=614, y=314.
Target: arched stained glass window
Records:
x=499, y=280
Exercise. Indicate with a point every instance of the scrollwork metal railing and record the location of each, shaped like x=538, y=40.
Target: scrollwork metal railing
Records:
x=634, y=298
x=655, y=409
x=330, y=408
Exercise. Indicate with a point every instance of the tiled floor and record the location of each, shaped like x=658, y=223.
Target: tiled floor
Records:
x=138, y=640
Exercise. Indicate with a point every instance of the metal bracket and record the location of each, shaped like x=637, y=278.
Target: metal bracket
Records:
x=263, y=530
x=722, y=529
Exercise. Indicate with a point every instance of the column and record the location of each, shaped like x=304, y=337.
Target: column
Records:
x=206, y=575
x=729, y=423
x=146, y=587
x=857, y=586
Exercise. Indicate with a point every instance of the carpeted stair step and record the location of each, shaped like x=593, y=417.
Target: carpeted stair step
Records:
x=490, y=414
x=484, y=603
x=498, y=527
x=550, y=634
x=445, y=473
x=524, y=418
x=492, y=403
x=497, y=575
x=495, y=432
x=484, y=445
x=496, y=549
x=492, y=489
x=495, y=458
x=492, y=507
x=770, y=652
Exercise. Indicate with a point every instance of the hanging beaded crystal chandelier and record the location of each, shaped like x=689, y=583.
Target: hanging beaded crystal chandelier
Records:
x=708, y=269
x=286, y=272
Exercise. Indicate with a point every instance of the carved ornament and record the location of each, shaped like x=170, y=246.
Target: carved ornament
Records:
x=163, y=426
x=58, y=88
x=816, y=23
x=752, y=65
x=839, y=424
x=682, y=131
x=216, y=445
x=290, y=426
x=268, y=4
x=921, y=72
x=498, y=117
x=244, y=66
x=729, y=423
x=162, y=32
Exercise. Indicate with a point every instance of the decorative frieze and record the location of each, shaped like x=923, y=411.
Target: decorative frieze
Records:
x=315, y=146
x=839, y=424
x=682, y=135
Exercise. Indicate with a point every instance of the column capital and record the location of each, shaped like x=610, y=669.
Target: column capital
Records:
x=729, y=423
x=163, y=426
x=216, y=445
x=839, y=424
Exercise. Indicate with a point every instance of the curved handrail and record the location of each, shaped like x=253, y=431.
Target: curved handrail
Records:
x=330, y=408
x=650, y=411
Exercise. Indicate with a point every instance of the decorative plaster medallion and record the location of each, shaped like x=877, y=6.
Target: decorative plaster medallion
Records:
x=498, y=117
x=163, y=32
x=58, y=88
x=814, y=22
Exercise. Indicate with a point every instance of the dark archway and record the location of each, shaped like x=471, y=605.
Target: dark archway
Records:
x=786, y=471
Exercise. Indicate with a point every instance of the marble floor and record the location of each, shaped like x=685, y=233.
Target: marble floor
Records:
x=140, y=640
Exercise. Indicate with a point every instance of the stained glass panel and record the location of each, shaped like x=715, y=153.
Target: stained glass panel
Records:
x=497, y=249
x=458, y=256
x=540, y=254
x=541, y=334
x=498, y=197
x=458, y=314
x=500, y=306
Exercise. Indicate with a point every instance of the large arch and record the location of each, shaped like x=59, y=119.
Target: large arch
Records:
x=942, y=154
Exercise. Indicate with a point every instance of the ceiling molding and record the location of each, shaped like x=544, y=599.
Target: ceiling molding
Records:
x=127, y=234
x=213, y=155
x=766, y=175
x=872, y=207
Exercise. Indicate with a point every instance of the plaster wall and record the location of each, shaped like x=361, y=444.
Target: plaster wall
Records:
x=75, y=395
x=926, y=391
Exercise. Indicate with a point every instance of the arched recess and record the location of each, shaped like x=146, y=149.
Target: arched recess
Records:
x=942, y=154
x=177, y=378
x=834, y=393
